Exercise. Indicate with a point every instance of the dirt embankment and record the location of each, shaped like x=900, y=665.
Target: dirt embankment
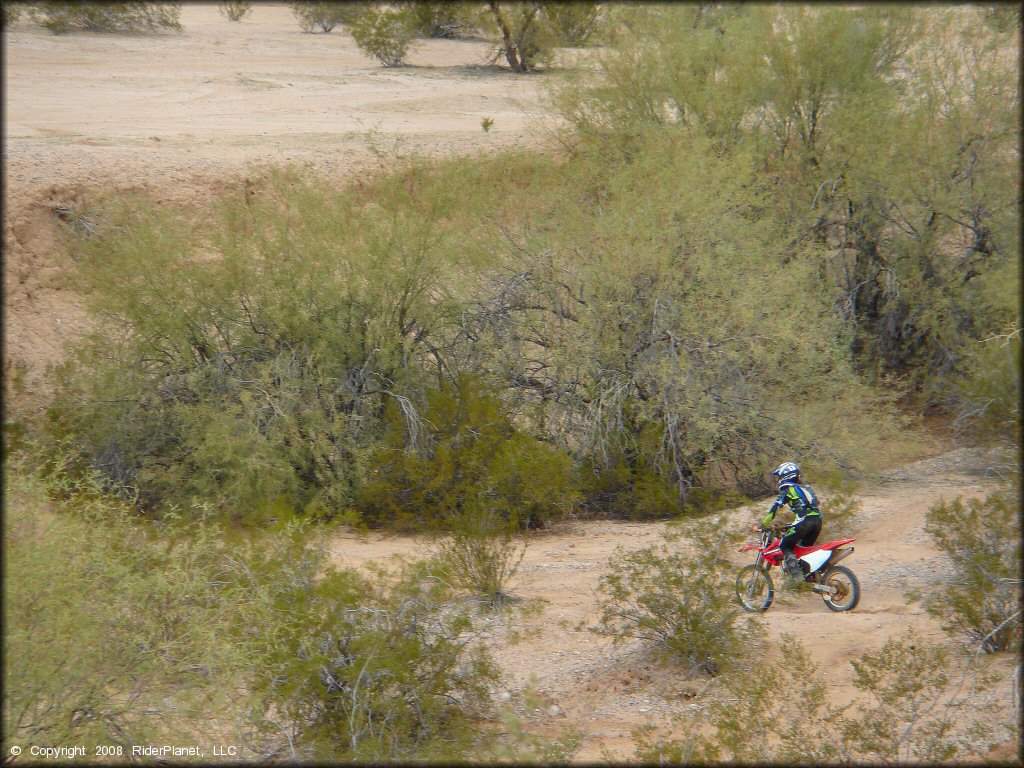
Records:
x=182, y=117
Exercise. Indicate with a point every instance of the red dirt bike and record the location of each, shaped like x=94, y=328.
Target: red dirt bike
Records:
x=836, y=584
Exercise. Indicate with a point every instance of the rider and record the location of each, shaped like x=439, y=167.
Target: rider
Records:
x=804, y=503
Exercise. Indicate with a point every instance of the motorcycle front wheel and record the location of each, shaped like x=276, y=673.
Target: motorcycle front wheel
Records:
x=847, y=589
x=754, y=589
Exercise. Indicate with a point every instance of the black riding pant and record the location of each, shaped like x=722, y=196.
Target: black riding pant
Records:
x=805, y=533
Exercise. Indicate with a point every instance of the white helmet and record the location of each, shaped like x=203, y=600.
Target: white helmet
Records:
x=786, y=471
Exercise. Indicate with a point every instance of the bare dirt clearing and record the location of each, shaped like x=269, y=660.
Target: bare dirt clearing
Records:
x=183, y=116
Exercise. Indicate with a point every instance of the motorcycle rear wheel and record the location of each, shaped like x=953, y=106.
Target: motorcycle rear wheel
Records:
x=847, y=589
x=754, y=589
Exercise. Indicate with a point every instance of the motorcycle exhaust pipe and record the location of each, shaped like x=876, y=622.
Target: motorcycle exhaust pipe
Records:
x=839, y=554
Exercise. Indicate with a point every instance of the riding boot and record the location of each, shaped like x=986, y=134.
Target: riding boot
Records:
x=792, y=566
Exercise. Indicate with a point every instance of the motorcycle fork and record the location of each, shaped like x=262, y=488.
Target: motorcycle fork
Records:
x=759, y=561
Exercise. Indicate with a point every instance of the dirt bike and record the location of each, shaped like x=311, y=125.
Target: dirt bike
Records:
x=836, y=584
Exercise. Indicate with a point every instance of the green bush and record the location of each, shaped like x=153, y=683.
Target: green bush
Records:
x=838, y=498
x=268, y=345
x=915, y=709
x=529, y=32
x=482, y=555
x=325, y=15
x=276, y=353
x=473, y=465
x=919, y=242
x=982, y=538
x=446, y=20
x=667, y=362
x=914, y=704
x=61, y=17
x=119, y=631
x=385, y=33
x=235, y=11
x=679, y=601
x=527, y=41
x=575, y=22
x=257, y=379
x=628, y=484
x=989, y=394
x=368, y=672
x=746, y=718
x=115, y=633
x=655, y=368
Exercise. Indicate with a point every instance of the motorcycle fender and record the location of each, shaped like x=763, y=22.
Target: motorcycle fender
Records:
x=816, y=559
x=839, y=554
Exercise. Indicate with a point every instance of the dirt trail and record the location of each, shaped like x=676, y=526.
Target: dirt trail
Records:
x=607, y=691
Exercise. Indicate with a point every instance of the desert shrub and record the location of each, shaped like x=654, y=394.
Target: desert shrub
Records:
x=664, y=369
x=982, y=538
x=747, y=720
x=679, y=601
x=529, y=32
x=627, y=482
x=573, y=23
x=916, y=703
x=276, y=356
x=919, y=240
x=989, y=394
x=519, y=745
x=272, y=350
x=385, y=33
x=235, y=11
x=258, y=378
x=742, y=723
x=10, y=13
x=277, y=351
x=654, y=326
x=839, y=508
x=325, y=15
x=902, y=678
x=369, y=671
x=179, y=439
x=482, y=555
x=837, y=496
x=473, y=464
x=61, y=17
x=653, y=77
x=916, y=707
x=120, y=631
x=444, y=19
x=114, y=632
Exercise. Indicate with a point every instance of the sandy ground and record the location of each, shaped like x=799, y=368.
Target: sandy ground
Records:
x=607, y=691
x=184, y=116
